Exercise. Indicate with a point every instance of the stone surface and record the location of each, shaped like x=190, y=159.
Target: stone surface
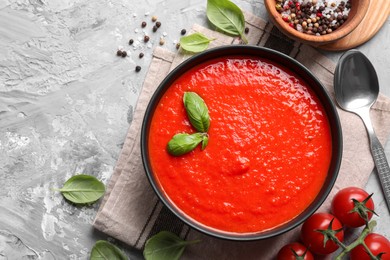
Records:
x=66, y=101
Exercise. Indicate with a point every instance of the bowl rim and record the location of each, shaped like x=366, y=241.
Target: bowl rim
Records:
x=338, y=34
x=246, y=50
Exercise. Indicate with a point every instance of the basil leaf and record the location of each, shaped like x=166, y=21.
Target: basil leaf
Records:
x=205, y=141
x=227, y=17
x=83, y=189
x=165, y=246
x=195, y=42
x=183, y=143
x=103, y=250
x=197, y=111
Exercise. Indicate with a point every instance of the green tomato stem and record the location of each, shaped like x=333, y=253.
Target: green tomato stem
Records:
x=359, y=241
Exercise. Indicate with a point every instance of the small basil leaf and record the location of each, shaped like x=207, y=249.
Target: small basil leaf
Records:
x=165, y=246
x=197, y=111
x=205, y=141
x=227, y=17
x=195, y=42
x=183, y=143
x=82, y=189
x=104, y=250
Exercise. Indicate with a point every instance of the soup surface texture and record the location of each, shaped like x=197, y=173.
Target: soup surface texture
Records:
x=269, y=145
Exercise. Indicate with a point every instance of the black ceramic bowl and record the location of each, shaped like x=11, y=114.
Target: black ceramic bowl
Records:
x=278, y=58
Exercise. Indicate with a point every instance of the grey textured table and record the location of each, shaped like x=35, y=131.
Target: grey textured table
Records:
x=66, y=101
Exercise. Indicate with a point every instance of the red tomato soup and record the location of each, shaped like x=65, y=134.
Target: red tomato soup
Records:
x=269, y=145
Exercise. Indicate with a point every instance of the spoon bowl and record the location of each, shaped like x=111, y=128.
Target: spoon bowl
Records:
x=356, y=89
x=356, y=81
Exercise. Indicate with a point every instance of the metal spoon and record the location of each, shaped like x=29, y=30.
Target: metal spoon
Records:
x=356, y=88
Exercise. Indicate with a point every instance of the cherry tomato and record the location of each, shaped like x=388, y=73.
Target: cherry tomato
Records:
x=343, y=204
x=287, y=252
x=376, y=243
x=314, y=239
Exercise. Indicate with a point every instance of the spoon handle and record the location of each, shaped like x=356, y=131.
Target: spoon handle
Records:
x=382, y=167
x=378, y=153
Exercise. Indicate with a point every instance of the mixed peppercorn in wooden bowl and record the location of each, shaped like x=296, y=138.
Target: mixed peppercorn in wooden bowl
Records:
x=316, y=22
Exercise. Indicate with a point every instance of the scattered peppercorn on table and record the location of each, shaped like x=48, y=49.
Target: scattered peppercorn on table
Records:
x=70, y=77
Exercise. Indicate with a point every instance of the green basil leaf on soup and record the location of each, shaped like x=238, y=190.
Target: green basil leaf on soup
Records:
x=183, y=143
x=105, y=250
x=205, y=141
x=227, y=17
x=82, y=189
x=165, y=246
x=197, y=111
x=195, y=42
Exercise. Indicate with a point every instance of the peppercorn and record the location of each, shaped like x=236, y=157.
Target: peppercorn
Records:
x=304, y=16
x=154, y=18
x=137, y=68
x=131, y=41
x=119, y=53
x=155, y=28
x=177, y=45
x=143, y=24
x=183, y=31
x=124, y=54
x=141, y=55
x=158, y=24
x=146, y=38
x=162, y=41
x=246, y=30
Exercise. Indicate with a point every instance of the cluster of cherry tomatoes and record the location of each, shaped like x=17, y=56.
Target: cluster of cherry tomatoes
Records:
x=323, y=233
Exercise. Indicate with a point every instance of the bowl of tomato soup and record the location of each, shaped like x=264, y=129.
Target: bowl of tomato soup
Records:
x=267, y=159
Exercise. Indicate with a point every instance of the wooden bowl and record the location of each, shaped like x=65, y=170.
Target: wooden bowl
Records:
x=356, y=14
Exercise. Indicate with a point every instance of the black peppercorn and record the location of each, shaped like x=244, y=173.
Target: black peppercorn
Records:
x=138, y=68
x=119, y=53
x=143, y=24
x=158, y=24
x=146, y=38
x=124, y=54
x=246, y=29
x=183, y=31
x=131, y=41
x=155, y=28
x=141, y=55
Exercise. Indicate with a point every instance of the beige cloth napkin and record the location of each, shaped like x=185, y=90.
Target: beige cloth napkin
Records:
x=132, y=213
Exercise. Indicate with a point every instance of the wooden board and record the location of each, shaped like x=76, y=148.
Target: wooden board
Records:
x=377, y=14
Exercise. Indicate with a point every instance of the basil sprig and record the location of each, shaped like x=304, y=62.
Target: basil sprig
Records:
x=198, y=114
x=227, y=17
x=82, y=189
x=165, y=246
x=195, y=42
x=184, y=143
x=105, y=250
x=197, y=111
